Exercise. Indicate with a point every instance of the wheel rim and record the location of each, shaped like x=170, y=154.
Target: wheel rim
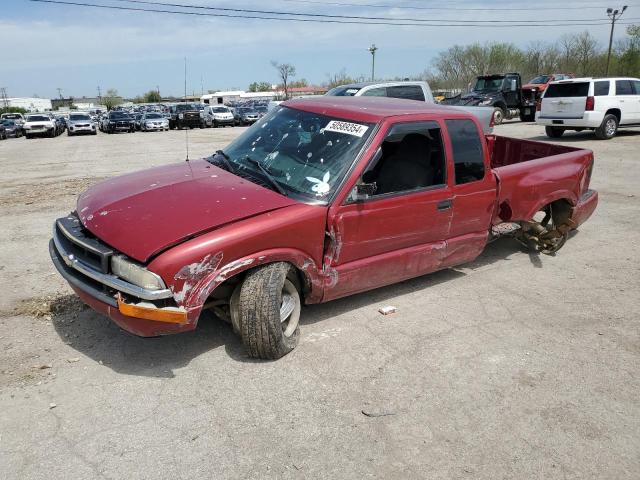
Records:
x=289, y=308
x=610, y=127
x=497, y=117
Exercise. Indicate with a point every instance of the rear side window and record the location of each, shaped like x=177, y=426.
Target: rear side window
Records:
x=408, y=92
x=624, y=87
x=601, y=88
x=636, y=85
x=558, y=90
x=468, y=157
x=375, y=92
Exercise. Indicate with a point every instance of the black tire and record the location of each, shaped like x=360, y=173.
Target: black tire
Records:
x=69, y=134
x=554, y=132
x=498, y=115
x=27, y=136
x=261, y=297
x=608, y=128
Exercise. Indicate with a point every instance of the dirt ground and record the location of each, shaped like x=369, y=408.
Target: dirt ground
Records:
x=515, y=366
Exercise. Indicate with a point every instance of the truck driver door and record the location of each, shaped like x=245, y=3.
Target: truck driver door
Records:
x=398, y=228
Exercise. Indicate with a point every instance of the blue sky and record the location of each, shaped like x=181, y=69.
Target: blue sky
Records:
x=49, y=46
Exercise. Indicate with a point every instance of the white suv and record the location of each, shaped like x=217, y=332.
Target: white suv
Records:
x=599, y=104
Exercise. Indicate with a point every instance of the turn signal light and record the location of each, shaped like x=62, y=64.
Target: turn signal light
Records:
x=591, y=102
x=167, y=315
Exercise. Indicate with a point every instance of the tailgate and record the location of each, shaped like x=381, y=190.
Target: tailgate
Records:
x=565, y=100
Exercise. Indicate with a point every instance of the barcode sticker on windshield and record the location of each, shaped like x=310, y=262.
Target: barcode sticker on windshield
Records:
x=354, y=129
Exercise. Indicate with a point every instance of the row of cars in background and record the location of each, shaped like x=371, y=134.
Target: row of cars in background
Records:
x=148, y=117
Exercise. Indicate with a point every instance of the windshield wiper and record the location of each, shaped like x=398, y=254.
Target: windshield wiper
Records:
x=267, y=175
x=226, y=160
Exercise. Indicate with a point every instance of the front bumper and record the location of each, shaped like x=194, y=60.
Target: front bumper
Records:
x=89, y=129
x=104, y=293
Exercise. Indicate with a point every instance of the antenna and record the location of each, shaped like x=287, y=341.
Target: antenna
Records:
x=186, y=132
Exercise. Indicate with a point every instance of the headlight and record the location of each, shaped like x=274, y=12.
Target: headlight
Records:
x=136, y=274
x=27, y=127
x=201, y=114
x=180, y=116
x=486, y=102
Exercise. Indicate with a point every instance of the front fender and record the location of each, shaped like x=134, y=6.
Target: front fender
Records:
x=194, y=283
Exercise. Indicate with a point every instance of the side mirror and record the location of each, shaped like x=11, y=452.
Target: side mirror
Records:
x=362, y=192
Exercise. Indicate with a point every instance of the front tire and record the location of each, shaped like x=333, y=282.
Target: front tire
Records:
x=498, y=116
x=608, y=128
x=269, y=311
x=554, y=132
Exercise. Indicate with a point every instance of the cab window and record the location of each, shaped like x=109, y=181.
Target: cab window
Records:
x=468, y=156
x=412, y=158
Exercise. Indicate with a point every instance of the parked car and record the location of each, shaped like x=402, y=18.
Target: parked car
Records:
x=599, y=104
x=153, y=121
x=11, y=128
x=40, y=124
x=540, y=83
x=137, y=118
x=79, y=123
x=317, y=201
x=185, y=115
x=16, y=117
x=503, y=93
x=119, y=121
x=246, y=116
x=406, y=90
x=218, y=115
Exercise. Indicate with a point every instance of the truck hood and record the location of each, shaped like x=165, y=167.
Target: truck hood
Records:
x=143, y=213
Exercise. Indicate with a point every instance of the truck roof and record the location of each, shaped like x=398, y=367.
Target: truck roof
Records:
x=370, y=109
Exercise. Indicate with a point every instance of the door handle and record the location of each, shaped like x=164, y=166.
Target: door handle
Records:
x=445, y=204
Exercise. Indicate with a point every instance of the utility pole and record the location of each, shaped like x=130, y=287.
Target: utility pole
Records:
x=3, y=95
x=59, y=92
x=613, y=15
x=372, y=50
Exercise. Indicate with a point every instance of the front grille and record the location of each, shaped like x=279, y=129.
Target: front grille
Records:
x=78, y=241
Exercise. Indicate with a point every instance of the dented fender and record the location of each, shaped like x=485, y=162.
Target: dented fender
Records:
x=194, y=283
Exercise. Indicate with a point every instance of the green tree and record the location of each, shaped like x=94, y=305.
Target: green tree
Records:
x=152, y=96
x=260, y=87
x=13, y=110
x=111, y=99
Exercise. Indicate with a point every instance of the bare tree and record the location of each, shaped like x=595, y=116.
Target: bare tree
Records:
x=285, y=71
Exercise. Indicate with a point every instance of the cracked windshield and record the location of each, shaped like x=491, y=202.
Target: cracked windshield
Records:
x=297, y=153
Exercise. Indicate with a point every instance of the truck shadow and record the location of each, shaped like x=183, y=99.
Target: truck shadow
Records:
x=100, y=339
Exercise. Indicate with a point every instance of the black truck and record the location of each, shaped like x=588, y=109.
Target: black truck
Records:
x=502, y=92
x=185, y=115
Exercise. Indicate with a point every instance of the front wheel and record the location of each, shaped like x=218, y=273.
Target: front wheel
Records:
x=269, y=308
x=498, y=116
x=608, y=128
x=554, y=132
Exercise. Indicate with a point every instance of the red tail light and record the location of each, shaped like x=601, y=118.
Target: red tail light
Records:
x=591, y=101
x=538, y=104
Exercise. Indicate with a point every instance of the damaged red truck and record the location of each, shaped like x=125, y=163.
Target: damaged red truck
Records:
x=322, y=198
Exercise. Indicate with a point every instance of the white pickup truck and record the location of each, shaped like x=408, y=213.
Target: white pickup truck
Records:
x=408, y=90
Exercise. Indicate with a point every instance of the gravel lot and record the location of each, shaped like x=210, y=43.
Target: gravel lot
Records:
x=515, y=366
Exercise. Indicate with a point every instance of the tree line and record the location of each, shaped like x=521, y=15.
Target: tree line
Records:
x=580, y=54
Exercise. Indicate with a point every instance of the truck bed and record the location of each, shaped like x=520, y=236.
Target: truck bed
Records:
x=533, y=174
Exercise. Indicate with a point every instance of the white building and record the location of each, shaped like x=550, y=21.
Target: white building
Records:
x=30, y=104
x=236, y=95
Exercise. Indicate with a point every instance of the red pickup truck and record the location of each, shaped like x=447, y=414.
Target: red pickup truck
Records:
x=320, y=199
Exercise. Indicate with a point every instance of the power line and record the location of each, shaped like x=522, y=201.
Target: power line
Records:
x=466, y=9
x=313, y=20
x=347, y=17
